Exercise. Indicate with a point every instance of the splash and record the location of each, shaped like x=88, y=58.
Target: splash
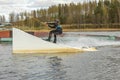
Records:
x=88, y=41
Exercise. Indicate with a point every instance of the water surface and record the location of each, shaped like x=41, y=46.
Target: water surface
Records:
x=103, y=64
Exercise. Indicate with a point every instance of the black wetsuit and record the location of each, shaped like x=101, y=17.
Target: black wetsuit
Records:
x=56, y=31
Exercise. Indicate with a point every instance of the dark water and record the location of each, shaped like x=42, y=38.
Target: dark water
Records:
x=103, y=64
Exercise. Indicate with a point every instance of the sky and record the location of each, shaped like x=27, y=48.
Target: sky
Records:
x=8, y=6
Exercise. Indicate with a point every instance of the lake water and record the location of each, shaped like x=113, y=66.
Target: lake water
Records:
x=103, y=64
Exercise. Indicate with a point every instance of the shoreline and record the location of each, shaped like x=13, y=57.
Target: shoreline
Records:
x=70, y=30
x=90, y=30
x=45, y=32
x=75, y=30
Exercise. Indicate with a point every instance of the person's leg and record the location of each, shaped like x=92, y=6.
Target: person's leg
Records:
x=56, y=32
x=55, y=38
x=50, y=35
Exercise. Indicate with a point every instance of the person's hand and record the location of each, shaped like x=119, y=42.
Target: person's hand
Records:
x=44, y=23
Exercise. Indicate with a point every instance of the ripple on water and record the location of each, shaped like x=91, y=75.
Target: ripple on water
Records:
x=101, y=65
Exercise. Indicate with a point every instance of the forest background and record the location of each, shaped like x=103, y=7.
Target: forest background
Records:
x=102, y=14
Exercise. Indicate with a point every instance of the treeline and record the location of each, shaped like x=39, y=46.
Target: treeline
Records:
x=91, y=14
x=2, y=19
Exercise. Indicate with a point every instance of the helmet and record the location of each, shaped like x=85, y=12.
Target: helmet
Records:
x=57, y=21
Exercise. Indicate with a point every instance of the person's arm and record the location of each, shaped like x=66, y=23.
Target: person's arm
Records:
x=52, y=25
